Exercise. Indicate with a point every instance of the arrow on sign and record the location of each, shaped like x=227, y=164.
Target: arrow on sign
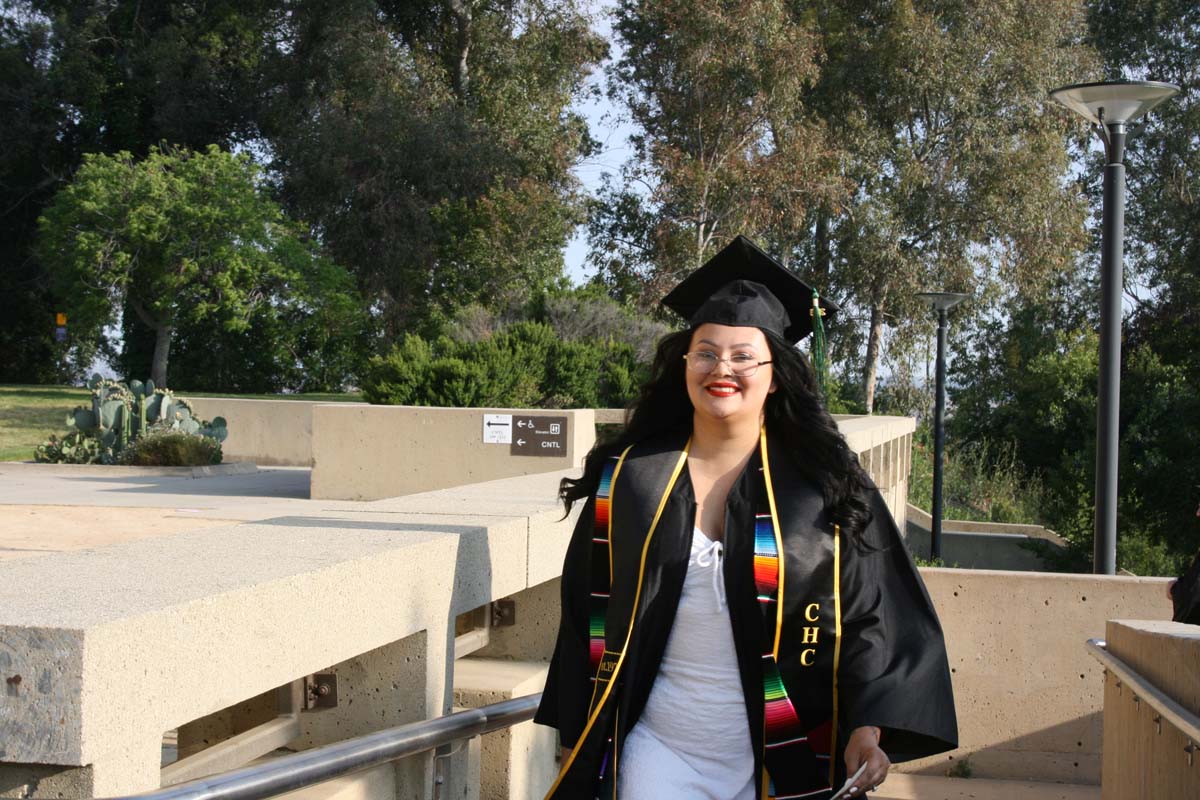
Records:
x=498, y=424
x=520, y=423
x=520, y=441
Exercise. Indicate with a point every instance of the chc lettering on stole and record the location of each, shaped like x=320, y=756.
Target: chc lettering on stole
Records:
x=811, y=614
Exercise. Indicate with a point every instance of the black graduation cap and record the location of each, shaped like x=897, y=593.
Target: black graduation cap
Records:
x=745, y=287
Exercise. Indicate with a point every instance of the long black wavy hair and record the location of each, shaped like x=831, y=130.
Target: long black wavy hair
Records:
x=793, y=412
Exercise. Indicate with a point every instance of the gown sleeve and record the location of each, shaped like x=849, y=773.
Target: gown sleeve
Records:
x=568, y=691
x=894, y=673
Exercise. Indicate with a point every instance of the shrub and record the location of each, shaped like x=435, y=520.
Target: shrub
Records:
x=525, y=365
x=402, y=376
x=982, y=481
x=171, y=448
x=74, y=448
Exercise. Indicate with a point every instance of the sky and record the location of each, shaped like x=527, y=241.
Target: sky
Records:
x=607, y=127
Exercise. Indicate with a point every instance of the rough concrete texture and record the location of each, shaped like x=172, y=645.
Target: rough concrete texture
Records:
x=235, y=611
x=534, y=636
x=884, y=448
x=264, y=494
x=30, y=531
x=372, y=784
x=427, y=449
x=1027, y=692
x=275, y=432
x=206, y=731
x=382, y=689
x=1144, y=758
x=518, y=762
x=922, y=787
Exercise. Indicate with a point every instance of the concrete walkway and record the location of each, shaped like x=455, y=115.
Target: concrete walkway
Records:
x=47, y=509
x=923, y=787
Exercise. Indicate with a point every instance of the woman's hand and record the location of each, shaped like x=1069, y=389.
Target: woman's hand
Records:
x=863, y=747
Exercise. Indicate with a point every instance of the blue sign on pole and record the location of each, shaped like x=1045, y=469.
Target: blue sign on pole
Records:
x=60, y=334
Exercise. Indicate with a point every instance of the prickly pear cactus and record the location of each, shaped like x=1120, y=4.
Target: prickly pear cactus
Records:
x=119, y=415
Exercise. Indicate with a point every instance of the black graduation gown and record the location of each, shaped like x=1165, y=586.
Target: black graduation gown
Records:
x=891, y=663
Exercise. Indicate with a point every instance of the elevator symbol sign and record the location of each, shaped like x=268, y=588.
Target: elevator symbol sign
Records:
x=538, y=436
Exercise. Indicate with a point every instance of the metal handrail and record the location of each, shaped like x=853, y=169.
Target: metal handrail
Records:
x=1175, y=714
x=320, y=764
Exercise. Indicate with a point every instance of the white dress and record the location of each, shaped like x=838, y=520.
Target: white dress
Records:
x=693, y=738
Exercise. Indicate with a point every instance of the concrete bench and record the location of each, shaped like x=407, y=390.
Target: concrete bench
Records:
x=103, y=650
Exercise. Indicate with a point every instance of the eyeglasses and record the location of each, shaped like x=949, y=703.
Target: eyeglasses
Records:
x=742, y=365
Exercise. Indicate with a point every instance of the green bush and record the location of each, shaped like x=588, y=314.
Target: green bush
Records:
x=171, y=448
x=524, y=365
x=76, y=447
x=981, y=481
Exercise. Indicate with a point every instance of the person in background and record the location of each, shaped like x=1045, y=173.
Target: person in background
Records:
x=1184, y=592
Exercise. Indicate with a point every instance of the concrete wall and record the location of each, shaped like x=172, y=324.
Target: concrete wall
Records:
x=517, y=762
x=363, y=452
x=884, y=448
x=266, y=432
x=982, y=545
x=1144, y=759
x=1027, y=692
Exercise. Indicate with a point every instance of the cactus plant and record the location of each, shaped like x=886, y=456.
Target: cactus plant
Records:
x=120, y=415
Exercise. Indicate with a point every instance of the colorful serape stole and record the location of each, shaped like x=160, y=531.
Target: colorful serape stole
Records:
x=795, y=770
x=601, y=566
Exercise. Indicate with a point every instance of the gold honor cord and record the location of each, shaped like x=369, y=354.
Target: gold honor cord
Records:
x=781, y=562
x=762, y=443
x=837, y=646
x=612, y=681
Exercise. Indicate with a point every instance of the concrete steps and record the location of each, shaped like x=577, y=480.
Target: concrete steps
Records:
x=927, y=787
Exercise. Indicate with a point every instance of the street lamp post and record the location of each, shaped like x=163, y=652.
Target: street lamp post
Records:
x=941, y=302
x=1111, y=106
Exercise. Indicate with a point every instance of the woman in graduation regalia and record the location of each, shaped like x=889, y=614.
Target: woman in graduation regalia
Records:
x=740, y=619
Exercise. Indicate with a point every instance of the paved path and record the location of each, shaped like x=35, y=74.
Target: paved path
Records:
x=923, y=787
x=46, y=509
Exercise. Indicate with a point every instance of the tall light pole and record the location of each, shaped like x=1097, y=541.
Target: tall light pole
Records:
x=941, y=302
x=1111, y=107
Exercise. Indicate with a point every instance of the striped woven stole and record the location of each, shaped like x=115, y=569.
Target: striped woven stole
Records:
x=793, y=769
x=601, y=566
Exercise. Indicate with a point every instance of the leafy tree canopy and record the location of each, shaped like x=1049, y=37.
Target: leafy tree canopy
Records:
x=177, y=237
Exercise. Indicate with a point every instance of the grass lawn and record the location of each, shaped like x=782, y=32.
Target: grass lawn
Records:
x=29, y=414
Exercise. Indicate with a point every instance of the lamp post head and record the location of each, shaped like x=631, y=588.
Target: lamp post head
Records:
x=1113, y=102
x=942, y=301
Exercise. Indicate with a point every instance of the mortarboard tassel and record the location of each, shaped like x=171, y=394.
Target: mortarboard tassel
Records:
x=820, y=355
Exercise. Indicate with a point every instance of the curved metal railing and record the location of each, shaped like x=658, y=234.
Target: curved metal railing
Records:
x=320, y=764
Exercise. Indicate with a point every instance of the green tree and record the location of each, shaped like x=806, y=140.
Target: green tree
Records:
x=79, y=77
x=177, y=237
x=724, y=144
x=431, y=144
x=32, y=163
x=959, y=175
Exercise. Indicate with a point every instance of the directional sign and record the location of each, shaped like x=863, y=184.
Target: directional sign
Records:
x=497, y=428
x=539, y=436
